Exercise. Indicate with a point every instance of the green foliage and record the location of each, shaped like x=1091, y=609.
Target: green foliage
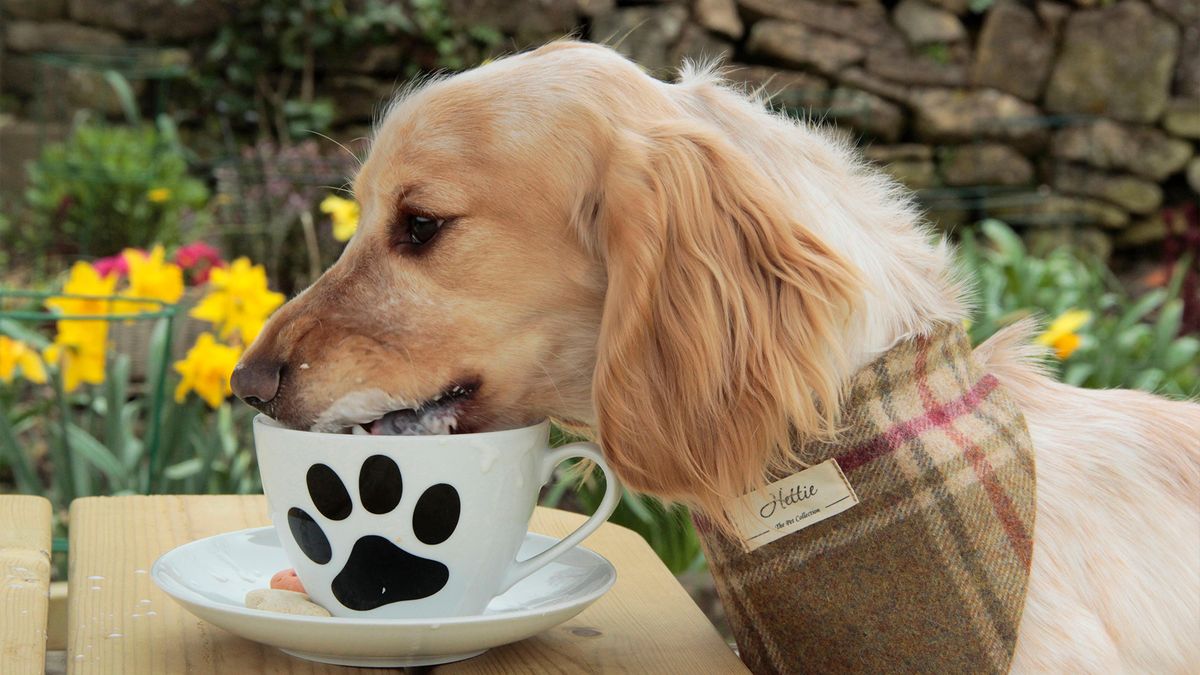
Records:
x=100, y=440
x=668, y=529
x=938, y=52
x=107, y=188
x=1130, y=342
x=5, y=236
x=457, y=46
x=263, y=66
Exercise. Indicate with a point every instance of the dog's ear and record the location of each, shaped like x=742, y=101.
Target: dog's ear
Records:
x=719, y=340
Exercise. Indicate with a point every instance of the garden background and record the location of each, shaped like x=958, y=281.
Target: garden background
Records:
x=171, y=170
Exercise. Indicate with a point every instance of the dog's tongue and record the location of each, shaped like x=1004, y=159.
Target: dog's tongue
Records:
x=406, y=422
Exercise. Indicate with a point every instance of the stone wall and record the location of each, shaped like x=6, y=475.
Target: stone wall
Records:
x=1075, y=116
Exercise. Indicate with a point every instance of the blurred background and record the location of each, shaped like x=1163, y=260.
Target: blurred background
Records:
x=172, y=170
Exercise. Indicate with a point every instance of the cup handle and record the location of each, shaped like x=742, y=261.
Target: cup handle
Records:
x=612, y=495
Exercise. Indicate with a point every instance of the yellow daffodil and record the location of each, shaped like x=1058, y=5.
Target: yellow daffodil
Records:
x=80, y=344
x=1062, y=334
x=151, y=277
x=77, y=361
x=239, y=300
x=158, y=195
x=206, y=370
x=344, y=213
x=85, y=280
x=15, y=355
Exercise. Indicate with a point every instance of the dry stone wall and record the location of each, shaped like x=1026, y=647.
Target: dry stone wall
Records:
x=1076, y=115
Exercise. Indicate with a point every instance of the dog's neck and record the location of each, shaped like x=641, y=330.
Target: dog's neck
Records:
x=908, y=282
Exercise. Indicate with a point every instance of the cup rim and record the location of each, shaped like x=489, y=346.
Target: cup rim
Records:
x=264, y=421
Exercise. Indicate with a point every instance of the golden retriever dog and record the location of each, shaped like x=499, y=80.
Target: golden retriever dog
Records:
x=557, y=234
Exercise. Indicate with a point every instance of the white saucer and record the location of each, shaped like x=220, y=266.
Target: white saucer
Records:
x=210, y=578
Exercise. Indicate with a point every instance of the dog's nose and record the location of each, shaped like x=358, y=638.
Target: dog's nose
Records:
x=256, y=381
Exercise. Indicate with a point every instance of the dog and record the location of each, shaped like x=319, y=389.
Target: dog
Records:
x=557, y=234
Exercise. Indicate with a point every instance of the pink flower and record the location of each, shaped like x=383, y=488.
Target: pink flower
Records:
x=113, y=264
x=199, y=258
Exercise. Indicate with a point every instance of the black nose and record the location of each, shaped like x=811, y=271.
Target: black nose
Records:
x=256, y=381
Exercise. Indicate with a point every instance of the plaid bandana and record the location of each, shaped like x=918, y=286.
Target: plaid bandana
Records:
x=928, y=572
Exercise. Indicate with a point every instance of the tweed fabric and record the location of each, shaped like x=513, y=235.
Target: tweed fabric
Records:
x=928, y=573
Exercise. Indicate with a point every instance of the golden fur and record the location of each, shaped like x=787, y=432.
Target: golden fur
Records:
x=695, y=278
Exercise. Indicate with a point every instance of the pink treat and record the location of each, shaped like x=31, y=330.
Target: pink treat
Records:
x=286, y=580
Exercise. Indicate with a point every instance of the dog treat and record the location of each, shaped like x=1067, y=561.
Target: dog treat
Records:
x=284, y=602
x=286, y=580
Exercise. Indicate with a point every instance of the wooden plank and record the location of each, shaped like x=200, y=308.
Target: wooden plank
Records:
x=25, y=583
x=646, y=624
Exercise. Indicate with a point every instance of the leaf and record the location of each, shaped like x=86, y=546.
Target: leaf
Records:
x=637, y=506
x=116, y=390
x=1141, y=307
x=554, y=495
x=19, y=331
x=1148, y=380
x=11, y=448
x=132, y=446
x=1130, y=338
x=226, y=434
x=1006, y=242
x=185, y=469
x=125, y=96
x=1167, y=326
x=158, y=429
x=86, y=447
x=1180, y=353
x=1078, y=373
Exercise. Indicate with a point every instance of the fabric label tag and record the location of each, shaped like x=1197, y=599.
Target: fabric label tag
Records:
x=792, y=504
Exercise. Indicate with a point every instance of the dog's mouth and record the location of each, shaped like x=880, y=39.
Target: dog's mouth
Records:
x=439, y=415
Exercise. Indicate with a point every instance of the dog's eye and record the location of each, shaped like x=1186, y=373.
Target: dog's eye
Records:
x=421, y=229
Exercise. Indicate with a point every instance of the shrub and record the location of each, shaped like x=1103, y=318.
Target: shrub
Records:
x=107, y=188
x=262, y=70
x=76, y=420
x=1127, y=341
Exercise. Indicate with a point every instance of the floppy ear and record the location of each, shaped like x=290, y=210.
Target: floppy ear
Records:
x=719, y=340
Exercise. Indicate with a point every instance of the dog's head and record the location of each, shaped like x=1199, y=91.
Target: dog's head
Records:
x=555, y=234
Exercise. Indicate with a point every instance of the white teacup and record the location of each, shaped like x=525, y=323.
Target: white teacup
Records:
x=397, y=527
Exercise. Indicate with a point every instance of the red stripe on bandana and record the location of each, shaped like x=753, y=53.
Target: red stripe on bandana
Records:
x=900, y=434
x=1017, y=536
x=1021, y=543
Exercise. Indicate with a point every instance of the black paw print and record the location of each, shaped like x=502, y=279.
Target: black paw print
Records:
x=377, y=572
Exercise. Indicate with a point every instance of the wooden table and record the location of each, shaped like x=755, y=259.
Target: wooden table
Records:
x=645, y=624
x=24, y=583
